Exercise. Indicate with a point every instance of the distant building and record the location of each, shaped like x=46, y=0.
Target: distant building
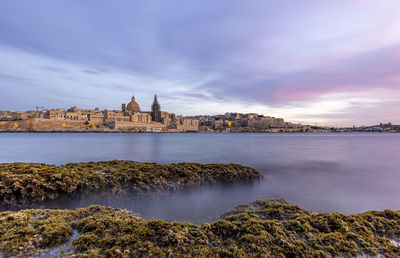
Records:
x=132, y=106
x=156, y=110
x=95, y=116
x=56, y=114
x=115, y=116
x=139, y=117
x=129, y=118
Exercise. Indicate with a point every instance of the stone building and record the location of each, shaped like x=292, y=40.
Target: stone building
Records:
x=132, y=106
x=187, y=124
x=156, y=110
x=76, y=114
x=95, y=115
x=167, y=118
x=139, y=117
x=130, y=117
x=56, y=114
x=181, y=123
x=17, y=116
x=115, y=116
x=132, y=110
x=261, y=123
x=266, y=122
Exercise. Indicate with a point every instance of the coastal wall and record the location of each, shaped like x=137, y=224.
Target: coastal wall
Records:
x=40, y=124
x=45, y=125
x=188, y=128
x=121, y=125
x=286, y=130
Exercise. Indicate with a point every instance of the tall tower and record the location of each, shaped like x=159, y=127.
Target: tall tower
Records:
x=156, y=110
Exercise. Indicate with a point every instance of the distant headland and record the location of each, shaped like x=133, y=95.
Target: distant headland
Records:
x=132, y=119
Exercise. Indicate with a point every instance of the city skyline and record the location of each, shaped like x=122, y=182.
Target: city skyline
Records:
x=333, y=64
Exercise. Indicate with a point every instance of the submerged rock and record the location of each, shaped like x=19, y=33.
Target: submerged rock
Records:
x=26, y=183
x=261, y=228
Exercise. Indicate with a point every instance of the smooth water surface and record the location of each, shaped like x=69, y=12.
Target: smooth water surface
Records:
x=346, y=173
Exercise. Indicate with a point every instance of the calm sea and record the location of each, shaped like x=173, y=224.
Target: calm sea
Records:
x=347, y=173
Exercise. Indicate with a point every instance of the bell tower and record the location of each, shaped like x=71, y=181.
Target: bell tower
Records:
x=156, y=110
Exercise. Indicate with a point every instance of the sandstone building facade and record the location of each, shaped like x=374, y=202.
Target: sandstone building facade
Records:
x=133, y=119
x=129, y=118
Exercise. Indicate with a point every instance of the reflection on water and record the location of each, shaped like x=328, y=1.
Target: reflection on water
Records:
x=329, y=172
x=64, y=248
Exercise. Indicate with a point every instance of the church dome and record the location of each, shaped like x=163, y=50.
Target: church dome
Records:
x=133, y=106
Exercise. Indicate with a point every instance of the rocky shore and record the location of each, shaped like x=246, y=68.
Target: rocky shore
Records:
x=271, y=228
x=26, y=184
x=261, y=228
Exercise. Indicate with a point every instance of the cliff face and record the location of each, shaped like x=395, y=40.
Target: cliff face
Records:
x=262, y=228
x=22, y=184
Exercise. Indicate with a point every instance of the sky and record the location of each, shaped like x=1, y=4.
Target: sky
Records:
x=334, y=63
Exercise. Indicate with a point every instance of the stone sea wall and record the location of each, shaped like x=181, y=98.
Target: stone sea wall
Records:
x=121, y=125
x=45, y=125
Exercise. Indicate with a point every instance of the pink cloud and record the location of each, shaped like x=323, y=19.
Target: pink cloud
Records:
x=372, y=70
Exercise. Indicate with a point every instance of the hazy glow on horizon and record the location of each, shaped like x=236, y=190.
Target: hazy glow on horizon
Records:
x=330, y=63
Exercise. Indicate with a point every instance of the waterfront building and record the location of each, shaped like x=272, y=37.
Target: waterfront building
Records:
x=130, y=118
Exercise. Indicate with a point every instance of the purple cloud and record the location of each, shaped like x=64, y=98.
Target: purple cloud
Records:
x=269, y=54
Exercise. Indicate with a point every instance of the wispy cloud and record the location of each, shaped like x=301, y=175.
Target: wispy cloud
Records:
x=333, y=63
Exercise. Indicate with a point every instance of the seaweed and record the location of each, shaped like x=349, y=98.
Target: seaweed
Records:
x=258, y=229
x=25, y=183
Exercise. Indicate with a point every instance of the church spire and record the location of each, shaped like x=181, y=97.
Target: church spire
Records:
x=156, y=110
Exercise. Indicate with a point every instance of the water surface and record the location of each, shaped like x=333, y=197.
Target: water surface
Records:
x=346, y=173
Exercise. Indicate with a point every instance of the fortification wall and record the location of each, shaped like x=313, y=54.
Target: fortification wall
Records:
x=120, y=125
x=189, y=128
x=286, y=130
x=45, y=125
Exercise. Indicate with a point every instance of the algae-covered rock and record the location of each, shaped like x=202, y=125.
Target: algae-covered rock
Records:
x=278, y=209
x=258, y=229
x=24, y=183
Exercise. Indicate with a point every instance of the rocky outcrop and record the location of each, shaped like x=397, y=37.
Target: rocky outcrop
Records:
x=262, y=228
x=26, y=183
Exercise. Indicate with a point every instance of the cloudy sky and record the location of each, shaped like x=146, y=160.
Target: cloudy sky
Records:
x=325, y=62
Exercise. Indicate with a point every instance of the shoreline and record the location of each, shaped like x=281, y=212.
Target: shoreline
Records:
x=24, y=185
x=223, y=132
x=265, y=227
x=270, y=227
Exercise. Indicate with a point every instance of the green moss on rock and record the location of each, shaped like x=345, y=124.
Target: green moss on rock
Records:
x=22, y=183
x=261, y=228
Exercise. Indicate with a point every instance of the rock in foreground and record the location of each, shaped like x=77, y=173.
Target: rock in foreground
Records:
x=261, y=228
x=25, y=183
